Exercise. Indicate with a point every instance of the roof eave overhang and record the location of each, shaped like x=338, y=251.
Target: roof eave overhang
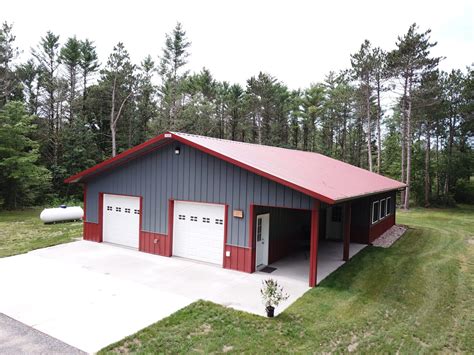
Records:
x=131, y=154
x=372, y=193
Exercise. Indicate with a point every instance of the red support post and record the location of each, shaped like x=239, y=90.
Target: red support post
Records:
x=313, y=252
x=347, y=230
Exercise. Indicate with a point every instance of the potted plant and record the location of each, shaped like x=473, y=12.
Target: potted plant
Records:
x=272, y=294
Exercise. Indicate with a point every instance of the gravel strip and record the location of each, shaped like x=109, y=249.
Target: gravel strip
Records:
x=390, y=236
x=18, y=338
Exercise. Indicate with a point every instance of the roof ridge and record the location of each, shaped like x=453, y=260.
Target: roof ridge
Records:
x=286, y=149
x=246, y=143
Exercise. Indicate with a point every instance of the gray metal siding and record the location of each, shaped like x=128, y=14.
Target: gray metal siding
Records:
x=192, y=176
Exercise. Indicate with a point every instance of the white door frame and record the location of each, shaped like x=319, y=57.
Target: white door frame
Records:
x=262, y=240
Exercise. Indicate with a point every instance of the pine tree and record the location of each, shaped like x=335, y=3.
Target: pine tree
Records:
x=236, y=111
x=28, y=75
x=363, y=65
x=312, y=107
x=174, y=58
x=267, y=98
x=380, y=76
x=22, y=179
x=47, y=57
x=70, y=56
x=8, y=52
x=146, y=101
x=408, y=62
x=428, y=108
x=89, y=64
x=118, y=77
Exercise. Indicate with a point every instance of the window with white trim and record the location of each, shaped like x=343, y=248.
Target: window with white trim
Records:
x=375, y=211
x=383, y=208
x=389, y=206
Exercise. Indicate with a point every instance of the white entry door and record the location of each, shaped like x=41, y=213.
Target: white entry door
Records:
x=198, y=231
x=262, y=236
x=121, y=220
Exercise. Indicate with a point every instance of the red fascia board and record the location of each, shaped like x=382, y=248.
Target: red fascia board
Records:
x=117, y=158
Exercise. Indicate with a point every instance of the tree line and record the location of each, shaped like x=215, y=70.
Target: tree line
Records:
x=62, y=111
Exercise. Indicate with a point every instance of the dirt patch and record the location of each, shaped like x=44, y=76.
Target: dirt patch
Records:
x=470, y=241
x=227, y=348
x=125, y=348
x=353, y=345
x=390, y=236
x=202, y=330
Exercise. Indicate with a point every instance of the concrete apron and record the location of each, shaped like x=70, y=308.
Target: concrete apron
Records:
x=90, y=295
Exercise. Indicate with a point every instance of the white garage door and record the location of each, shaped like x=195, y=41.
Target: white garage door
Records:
x=198, y=231
x=121, y=220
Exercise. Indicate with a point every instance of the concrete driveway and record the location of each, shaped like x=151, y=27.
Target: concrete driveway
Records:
x=89, y=295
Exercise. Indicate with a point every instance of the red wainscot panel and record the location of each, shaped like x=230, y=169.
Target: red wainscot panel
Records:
x=92, y=232
x=359, y=234
x=376, y=230
x=153, y=243
x=240, y=258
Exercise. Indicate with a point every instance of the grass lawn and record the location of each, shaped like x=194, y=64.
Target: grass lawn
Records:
x=22, y=231
x=417, y=296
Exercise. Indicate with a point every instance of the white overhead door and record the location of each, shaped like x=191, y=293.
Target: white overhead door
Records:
x=198, y=231
x=121, y=220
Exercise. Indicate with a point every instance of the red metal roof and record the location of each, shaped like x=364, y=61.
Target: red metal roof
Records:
x=324, y=178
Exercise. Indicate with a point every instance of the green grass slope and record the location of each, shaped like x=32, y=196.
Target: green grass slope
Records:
x=416, y=296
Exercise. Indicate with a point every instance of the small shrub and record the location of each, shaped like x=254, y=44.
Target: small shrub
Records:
x=272, y=294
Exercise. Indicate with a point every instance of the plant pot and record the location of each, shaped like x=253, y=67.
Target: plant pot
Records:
x=270, y=311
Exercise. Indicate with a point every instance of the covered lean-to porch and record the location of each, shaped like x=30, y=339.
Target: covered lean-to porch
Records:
x=307, y=245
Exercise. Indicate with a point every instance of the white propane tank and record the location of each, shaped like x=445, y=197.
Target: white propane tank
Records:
x=61, y=214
